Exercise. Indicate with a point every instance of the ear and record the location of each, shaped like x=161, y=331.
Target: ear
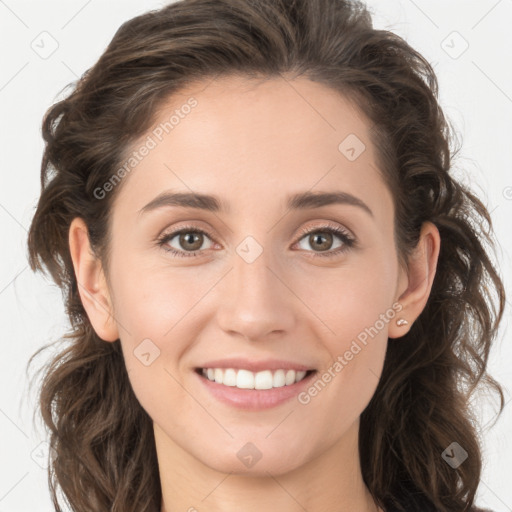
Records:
x=414, y=285
x=92, y=285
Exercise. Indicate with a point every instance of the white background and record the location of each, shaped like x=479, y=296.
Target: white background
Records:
x=475, y=93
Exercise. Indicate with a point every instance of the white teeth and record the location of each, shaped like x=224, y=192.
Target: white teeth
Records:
x=244, y=379
x=299, y=375
x=263, y=380
x=290, y=377
x=229, y=378
x=279, y=380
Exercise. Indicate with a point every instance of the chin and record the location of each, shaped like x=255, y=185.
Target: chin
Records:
x=250, y=461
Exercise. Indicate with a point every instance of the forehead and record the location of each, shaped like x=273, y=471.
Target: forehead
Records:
x=247, y=139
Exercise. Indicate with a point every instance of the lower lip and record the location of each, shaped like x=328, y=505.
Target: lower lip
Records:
x=254, y=399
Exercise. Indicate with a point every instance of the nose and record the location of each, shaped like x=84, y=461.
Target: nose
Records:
x=255, y=299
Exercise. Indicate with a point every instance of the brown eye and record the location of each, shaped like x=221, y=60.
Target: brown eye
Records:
x=191, y=240
x=185, y=242
x=323, y=240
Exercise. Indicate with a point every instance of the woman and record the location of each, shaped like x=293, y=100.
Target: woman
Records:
x=251, y=369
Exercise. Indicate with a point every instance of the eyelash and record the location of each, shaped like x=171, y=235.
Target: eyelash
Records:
x=348, y=241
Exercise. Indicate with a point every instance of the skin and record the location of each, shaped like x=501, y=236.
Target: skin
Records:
x=290, y=303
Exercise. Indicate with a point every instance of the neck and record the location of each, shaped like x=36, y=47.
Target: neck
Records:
x=331, y=482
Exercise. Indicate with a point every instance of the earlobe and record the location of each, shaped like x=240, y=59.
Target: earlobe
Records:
x=419, y=279
x=92, y=285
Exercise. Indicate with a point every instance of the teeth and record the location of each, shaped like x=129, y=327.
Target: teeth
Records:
x=244, y=379
x=229, y=377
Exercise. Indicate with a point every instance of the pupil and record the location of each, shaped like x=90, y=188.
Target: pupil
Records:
x=185, y=239
x=323, y=246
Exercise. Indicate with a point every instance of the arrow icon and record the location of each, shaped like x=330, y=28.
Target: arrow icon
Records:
x=249, y=455
x=454, y=455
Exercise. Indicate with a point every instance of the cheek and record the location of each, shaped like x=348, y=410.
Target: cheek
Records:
x=155, y=311
x=150, y=300
x=159, y=313
x=350, y=298
x=355, y=311
x=145, y=308
x=354, y=306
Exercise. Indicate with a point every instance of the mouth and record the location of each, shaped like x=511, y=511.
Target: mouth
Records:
x=254, y=391
x=247, y=380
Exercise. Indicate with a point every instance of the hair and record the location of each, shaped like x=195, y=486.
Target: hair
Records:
x=103, y=454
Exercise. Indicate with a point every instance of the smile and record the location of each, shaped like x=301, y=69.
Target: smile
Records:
x=245, y=379
x=251, y=391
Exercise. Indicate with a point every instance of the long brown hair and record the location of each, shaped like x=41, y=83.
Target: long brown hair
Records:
x=103, y=454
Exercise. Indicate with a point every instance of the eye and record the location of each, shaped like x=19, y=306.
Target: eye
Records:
x=322, y=238
x=190, y=239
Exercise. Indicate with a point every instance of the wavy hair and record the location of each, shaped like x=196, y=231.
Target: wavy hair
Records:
x=103, y=456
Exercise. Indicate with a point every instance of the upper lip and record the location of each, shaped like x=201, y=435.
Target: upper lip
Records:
x=256, y=366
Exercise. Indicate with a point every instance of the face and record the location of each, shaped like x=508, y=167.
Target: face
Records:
x=258, y=279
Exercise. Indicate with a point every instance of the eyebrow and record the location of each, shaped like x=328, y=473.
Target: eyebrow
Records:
x=299, y=201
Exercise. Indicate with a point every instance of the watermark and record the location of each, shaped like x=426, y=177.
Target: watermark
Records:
x=146, y=352
x=45, y=45
x=342, y=360
x=454, y=455
x=41, y=454
x=351, y=147
x=150, y=143
x=454, y=45
x=249, y=249
x=507, y=193
x=249, y=455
